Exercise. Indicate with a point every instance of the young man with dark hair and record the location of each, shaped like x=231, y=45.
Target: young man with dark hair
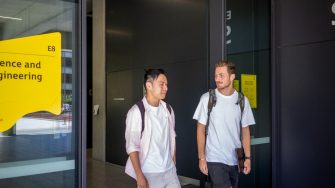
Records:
x=216, y=152
x=150, y=136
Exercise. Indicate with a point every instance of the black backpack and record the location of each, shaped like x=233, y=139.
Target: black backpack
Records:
x=142, y=110
x=212, y=103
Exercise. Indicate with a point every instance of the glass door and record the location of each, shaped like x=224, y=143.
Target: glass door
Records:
x=248, y=46
x=40, y=146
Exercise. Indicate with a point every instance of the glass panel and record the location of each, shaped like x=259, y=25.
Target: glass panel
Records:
x=40, y=149
x=248, y=46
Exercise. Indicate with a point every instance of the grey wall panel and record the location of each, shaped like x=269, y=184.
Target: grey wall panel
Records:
x=303, y=61
x=148, y=33
x=123, y=89
x=303, y=21
x=186, y=85
x=306, y=127
x=249, y=25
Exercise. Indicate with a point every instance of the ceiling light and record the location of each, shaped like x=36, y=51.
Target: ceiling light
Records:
x=11, y=18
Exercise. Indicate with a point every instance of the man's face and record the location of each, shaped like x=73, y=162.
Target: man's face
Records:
x=158, y=88
x=222, y=78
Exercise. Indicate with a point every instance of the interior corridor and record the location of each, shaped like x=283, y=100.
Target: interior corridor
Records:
x=103, y=175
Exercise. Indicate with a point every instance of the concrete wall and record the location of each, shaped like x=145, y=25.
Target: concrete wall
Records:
x=99, y=80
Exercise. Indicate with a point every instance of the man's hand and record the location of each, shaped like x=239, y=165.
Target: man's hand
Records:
x=247, y=166
x=203, y=166
x=142, y=182
x=201, y=139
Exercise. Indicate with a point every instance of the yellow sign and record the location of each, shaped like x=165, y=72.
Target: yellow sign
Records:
x=249, y=88
x=30, y=77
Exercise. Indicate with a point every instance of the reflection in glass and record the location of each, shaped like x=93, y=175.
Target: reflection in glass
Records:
x=248, y=46
x=39, y=151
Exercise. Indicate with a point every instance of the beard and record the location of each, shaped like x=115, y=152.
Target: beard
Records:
x=221, y=85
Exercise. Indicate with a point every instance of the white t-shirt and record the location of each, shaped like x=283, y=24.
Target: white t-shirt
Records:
x=224, y=126
x=159, y=158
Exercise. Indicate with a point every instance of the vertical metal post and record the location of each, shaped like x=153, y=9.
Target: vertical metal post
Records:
x=82, y=93
x=217, y=35
x=275, y=99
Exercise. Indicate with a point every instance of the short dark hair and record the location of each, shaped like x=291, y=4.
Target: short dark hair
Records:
x=152, y=74
x=230, y=66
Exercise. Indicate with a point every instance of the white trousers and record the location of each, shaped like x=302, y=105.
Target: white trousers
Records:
x=168, y=179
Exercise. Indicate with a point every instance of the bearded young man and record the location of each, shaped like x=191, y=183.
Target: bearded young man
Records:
x=216, y=152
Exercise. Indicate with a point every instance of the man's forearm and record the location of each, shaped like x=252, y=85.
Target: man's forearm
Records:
x=136, y=163
x=201, y=139
x=246, y=141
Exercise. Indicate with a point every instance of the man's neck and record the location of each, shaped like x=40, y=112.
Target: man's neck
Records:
x=227, y=91
x=152, y=101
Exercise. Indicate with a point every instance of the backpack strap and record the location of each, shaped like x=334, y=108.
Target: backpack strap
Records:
x=140, y=106
x=168, y=107
x=210, y=105
x=211, y=100
x=241, y=101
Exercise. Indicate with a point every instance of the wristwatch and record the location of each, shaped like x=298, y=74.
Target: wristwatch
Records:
x=247, y=157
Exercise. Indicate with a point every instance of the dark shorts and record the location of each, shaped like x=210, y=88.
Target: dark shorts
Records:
x=222, y=175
